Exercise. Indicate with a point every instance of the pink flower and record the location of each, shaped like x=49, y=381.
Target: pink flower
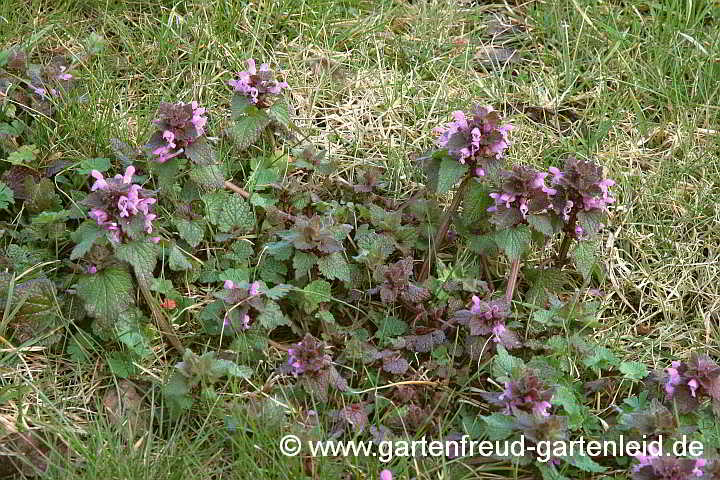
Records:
x=386, y=475
x=541, y=408
x=62, y=75
x=673, y=378
x=229, y=284
x=100, y=183
x=257, y=84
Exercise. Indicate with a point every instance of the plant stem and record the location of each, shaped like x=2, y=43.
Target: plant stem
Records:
x=512, y=281
x=564, y=247
x=231, y=186
x=158, y=314
x=486, y=272
x=443, y=228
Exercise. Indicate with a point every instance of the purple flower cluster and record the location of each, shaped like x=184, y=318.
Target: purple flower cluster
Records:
x=689, y=382
x=581, y=188
x=528, y=394
x=656, y=466
x=180, y=125
x=488, y=318
x=476, y=138
x=574, y=193
x=308, y=357
x=257, y=84
x=120, y=206
x=523, y=192
x=245, y=299
x=55, y=73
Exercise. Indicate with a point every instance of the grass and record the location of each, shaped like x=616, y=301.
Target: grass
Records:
x=369, y=80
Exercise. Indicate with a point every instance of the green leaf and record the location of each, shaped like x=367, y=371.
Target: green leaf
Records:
x=129, y=332
x=279, y=291
x=177, y=260
x=601, y=359
x=514, y=241
x=86, y=166
x=483, y=244
x=248, y=128
x=42, y=196
x=162, y=286
x=272, y=270
x=584, y=463
x=279, y=250
x=542, y=224
x=239, y=106
x=303, y=262
x=242, y=250
x=32, y=309
x=450, y=173
x=200, y=152
x=280, y=113
x=237, y=371
x=584, y=256
x=107, y=294
x=262, y=201
x=566, y=397
x=23, y=155
x=190, y=231
x=430, y=164
x=591, y=221
x=84, y=237
x=235, y=275
x=167, y=173
x=499, y=426
x=334, y=266
x=543, y=283
x=505, y=366
x=177, y=392
x=142, y=255
x=391, y=327
x=633, y=370
x=7, y=196
x=209, y=176
x=228, y=212
x=272, y=316
x=475, y=204
x=121, y=365
x=315, y=293
x=325, y=316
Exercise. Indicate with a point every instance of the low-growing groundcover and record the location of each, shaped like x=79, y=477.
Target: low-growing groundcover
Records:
x=219, y=280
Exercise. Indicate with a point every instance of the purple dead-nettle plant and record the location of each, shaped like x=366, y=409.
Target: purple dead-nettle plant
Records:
x=524, y=193
x=582, y=196
x=397, y=285
x=656, y=466
x=319, y=234
x=121, y=207
x=528, y=394
x=257, y=84
x=488, y=318
x=310, y=363
x=245, y=302
x=180, y=124
x=688, y=383
x=477, y=139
